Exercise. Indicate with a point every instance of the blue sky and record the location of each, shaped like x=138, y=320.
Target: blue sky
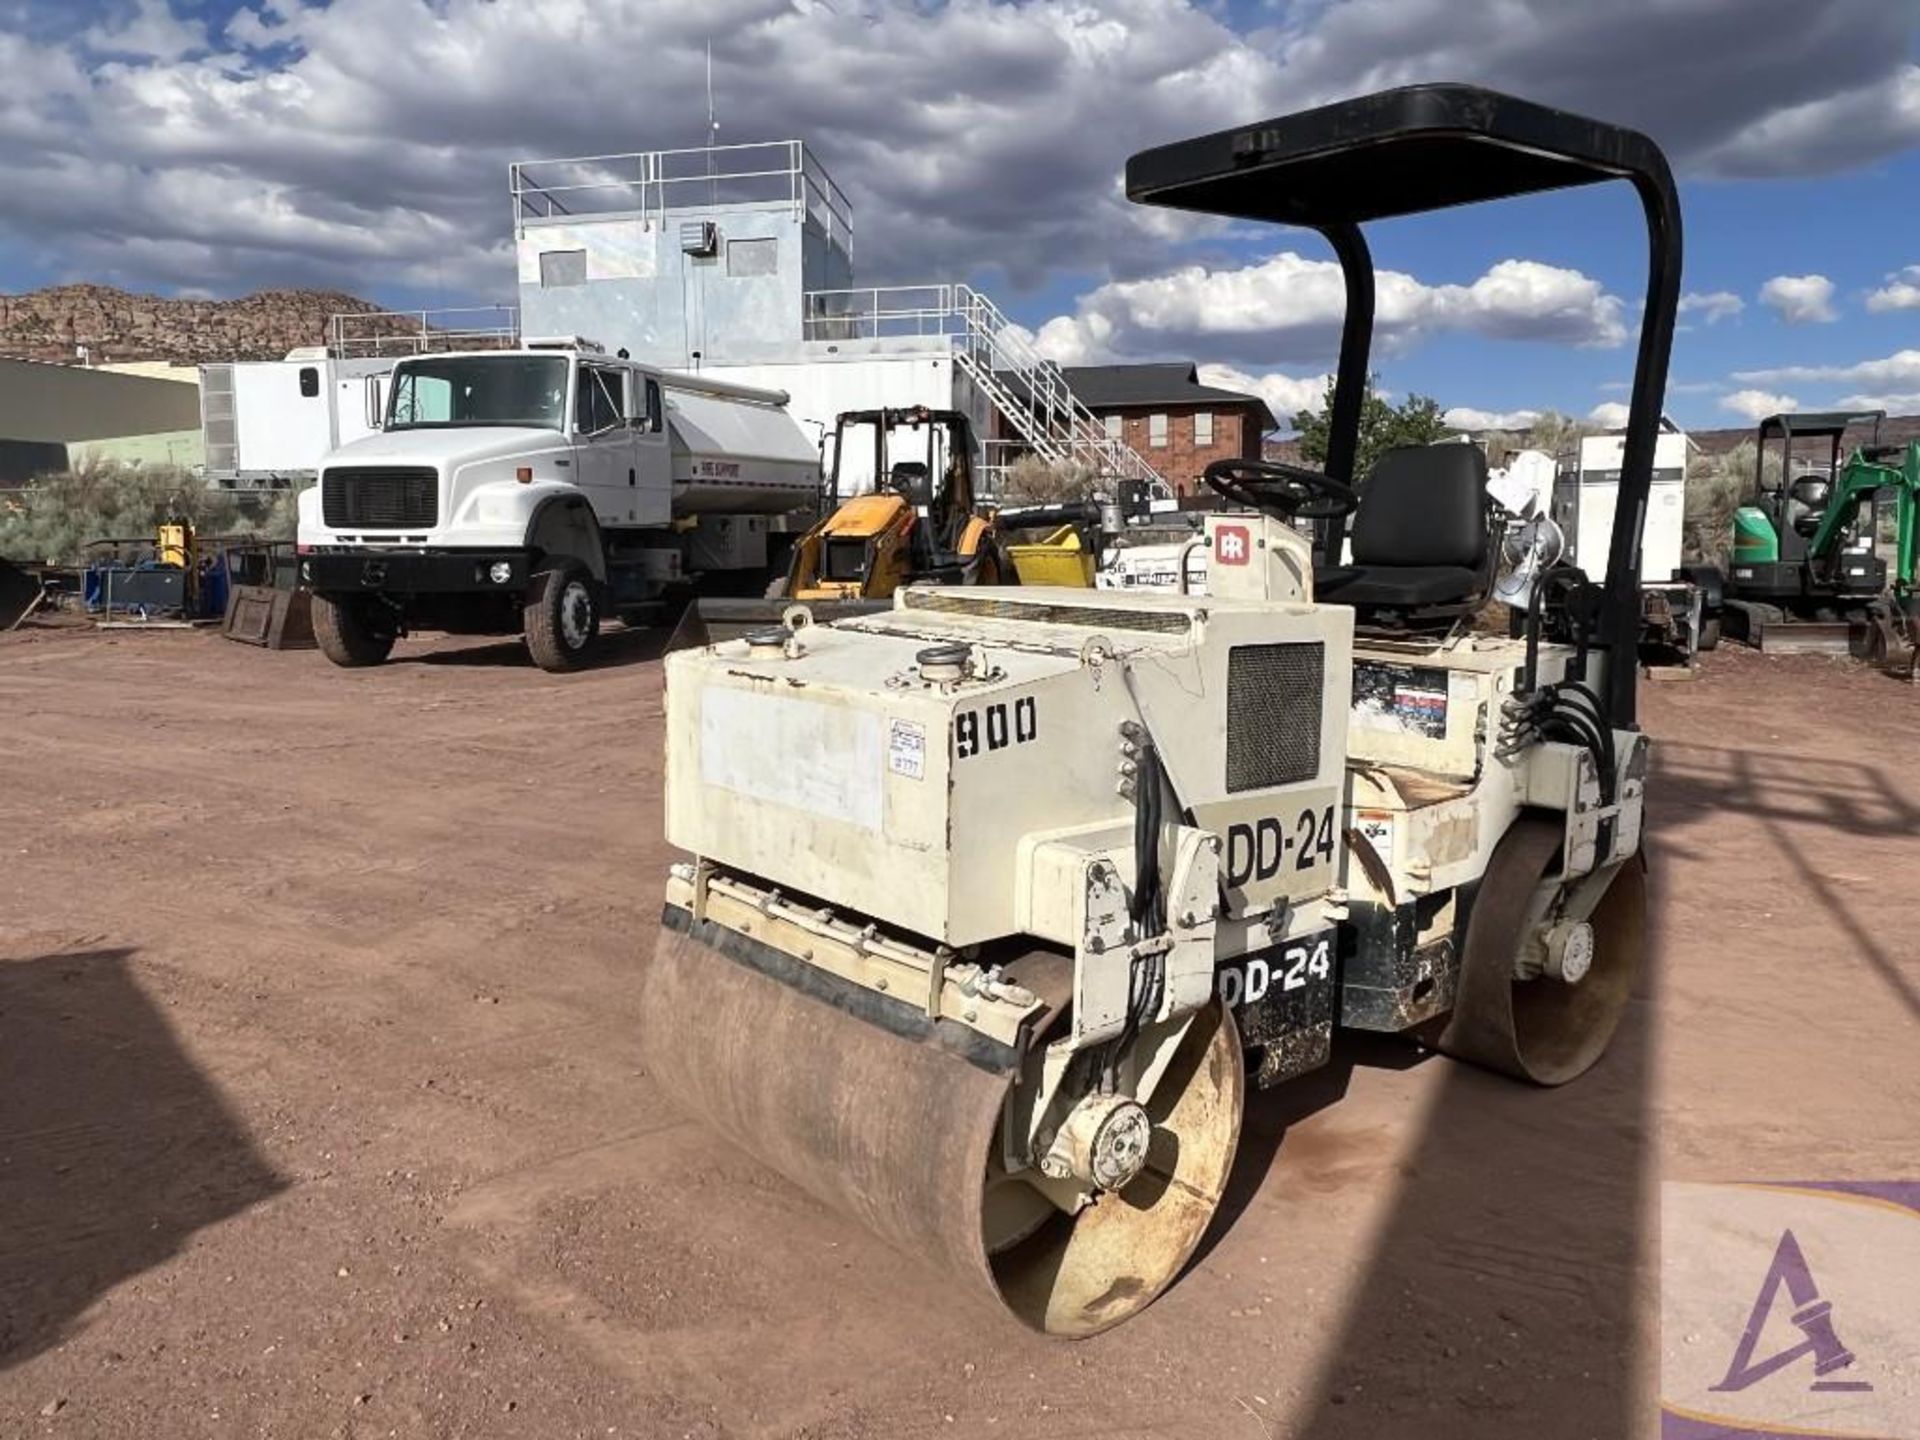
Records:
x=222, y=147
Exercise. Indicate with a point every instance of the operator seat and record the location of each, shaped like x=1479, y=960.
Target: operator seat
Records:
x=911, y=480
x=1807, y=499
x=1422, y=538
x=927, y=559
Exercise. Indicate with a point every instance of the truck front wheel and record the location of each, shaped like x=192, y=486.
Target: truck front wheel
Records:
x=351, y=629
x=563, y=618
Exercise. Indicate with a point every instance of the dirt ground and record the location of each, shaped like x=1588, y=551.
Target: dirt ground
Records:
x=321, y=1115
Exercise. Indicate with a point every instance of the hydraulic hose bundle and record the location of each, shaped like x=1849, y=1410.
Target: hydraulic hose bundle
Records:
x=1148, y=907
x=1568, y=711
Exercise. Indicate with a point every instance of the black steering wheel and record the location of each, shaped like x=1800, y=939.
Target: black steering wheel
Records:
x=1293, y=492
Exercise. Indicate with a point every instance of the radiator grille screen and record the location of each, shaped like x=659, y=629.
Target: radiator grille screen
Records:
x=1273, y=714
x=396, y=497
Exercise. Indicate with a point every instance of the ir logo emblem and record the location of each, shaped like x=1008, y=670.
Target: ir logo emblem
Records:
x=1233, y=544
x=1789, y=1310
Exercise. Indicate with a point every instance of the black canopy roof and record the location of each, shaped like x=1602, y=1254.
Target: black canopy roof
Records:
x=1400, y=152
x=1817, y=422
x=1432, y=147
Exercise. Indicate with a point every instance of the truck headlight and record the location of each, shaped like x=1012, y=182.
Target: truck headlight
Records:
x=500, y=572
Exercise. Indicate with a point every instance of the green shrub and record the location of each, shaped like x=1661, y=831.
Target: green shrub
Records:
x=1033, y=481
x=1718, y=485
x=52, y=519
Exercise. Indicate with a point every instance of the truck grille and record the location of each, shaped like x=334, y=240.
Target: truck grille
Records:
x=380, y=497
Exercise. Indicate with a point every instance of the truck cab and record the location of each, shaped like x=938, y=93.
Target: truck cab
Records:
x=536, y=489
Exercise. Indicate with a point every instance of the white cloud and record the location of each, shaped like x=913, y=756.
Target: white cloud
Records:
x=1906, y=404
x=1901, y=292
x=150, y=31
x=1848, y=126
x=1899, y=371
x=1286, y=395
x=1800, y=299
x=1757, y=404
x=1609, y=415
x=1288, y=307
x=1465, y=417
x=1745, y=87
x=307, y=113
x=972, y=134
x=1712, y=306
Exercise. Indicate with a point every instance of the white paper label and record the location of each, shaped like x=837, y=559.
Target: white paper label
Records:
x=840, y=778
x=907, y=749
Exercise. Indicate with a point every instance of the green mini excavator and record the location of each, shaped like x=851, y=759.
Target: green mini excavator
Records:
x=1808, y=570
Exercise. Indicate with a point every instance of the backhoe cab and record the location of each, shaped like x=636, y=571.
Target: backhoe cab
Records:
x=990, y=891
x=899, y=505
x=916, y=523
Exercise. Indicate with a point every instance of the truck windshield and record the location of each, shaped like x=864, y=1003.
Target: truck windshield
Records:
x=480, y=390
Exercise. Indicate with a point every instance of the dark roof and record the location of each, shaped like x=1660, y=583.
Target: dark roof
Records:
x=1122, y=387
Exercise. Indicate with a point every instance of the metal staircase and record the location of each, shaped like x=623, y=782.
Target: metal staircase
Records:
x=1022, y=384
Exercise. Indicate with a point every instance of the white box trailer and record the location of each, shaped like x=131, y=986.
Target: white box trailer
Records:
x=267, y=424
x=537, y=489
x=1680, y=604
x=1588, y=484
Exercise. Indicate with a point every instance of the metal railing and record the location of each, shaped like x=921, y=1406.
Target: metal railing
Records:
x=368, y=335
x=998, y=356
x=651, y=182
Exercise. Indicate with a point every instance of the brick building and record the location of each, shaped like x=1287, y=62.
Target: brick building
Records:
x=1177, y=424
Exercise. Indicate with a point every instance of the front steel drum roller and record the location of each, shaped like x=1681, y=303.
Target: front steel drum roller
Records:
x=905, y=1136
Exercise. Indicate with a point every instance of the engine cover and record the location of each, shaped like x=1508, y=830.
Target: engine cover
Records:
x=910, y=765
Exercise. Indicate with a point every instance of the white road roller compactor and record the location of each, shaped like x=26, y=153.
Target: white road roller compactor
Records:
x=989, y=893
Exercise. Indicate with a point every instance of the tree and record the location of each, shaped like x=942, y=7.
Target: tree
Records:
x=1416, y=421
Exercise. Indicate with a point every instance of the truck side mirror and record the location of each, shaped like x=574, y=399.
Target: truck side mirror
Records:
x=371, y=399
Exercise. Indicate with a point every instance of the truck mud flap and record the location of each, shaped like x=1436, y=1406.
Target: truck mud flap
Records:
x=272, y=618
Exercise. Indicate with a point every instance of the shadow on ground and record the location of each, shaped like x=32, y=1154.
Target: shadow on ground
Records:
x=1502, y=1296
x=1271, y=1115
x=617, y=646
x=114, y=1149
x=1785, y=793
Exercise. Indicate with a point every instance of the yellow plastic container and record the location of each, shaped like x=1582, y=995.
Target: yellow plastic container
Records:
x=174, y=546
x=1060, y=559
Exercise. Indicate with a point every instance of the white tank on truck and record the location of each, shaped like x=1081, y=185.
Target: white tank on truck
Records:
x=541, y=488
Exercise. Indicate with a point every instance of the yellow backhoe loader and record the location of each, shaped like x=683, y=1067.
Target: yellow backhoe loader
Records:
x=917, y=522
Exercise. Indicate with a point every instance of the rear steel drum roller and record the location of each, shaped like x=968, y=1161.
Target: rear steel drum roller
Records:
x=1545, y=975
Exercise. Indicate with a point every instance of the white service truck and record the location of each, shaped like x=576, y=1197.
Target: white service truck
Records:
x=540, y=488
